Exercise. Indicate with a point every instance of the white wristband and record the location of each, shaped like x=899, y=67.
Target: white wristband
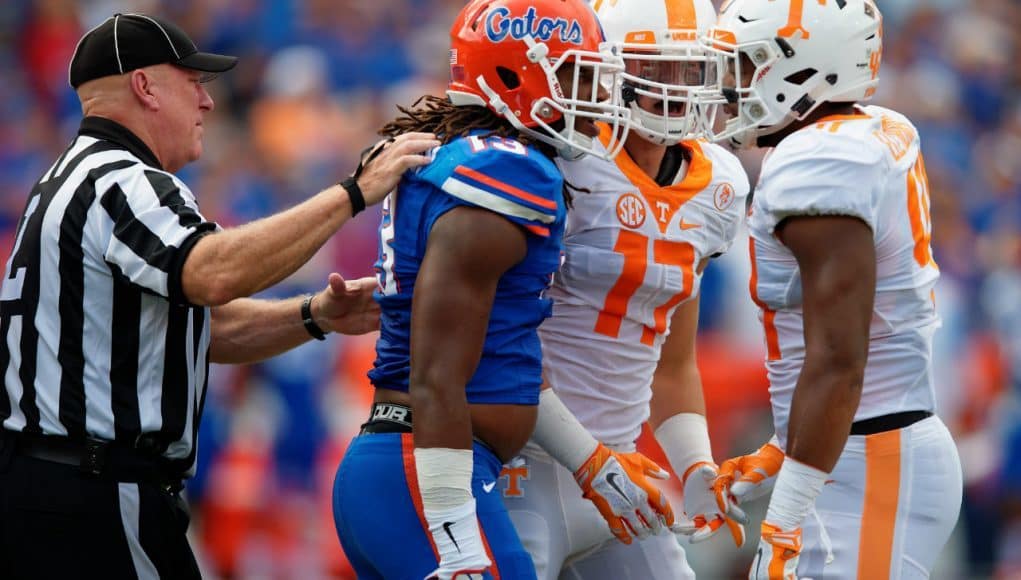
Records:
x=797, y=485
x=560, y=433
x=444, y=477
x=685, y=440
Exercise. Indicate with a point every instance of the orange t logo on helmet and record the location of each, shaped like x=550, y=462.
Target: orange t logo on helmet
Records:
x=794, y=20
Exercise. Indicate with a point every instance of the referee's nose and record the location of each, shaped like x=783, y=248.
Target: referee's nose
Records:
x=206, y=103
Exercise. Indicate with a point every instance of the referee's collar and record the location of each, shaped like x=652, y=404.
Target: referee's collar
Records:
x=108, y=130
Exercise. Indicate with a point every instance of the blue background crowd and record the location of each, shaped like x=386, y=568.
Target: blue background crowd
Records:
x=317, y=78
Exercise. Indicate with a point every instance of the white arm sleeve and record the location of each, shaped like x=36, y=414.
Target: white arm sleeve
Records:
x=560, y=434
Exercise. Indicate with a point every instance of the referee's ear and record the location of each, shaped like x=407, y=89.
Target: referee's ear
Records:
x=141, y=83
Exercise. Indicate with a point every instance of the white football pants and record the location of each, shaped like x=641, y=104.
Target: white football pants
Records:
x=890, y=509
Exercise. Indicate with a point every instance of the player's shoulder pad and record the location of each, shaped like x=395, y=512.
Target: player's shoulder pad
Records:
x=894, y=134
x=498, y=174
x=822, y=150
x=815, y=171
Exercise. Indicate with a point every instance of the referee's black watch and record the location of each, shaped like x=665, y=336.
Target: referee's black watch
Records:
x=306, y=318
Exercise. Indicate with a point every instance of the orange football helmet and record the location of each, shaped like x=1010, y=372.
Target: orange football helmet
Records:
x=505, y=55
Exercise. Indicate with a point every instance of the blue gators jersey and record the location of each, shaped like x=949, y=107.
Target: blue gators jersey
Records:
x=505, y=177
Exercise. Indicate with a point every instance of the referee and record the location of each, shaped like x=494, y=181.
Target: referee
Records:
x=119, y=293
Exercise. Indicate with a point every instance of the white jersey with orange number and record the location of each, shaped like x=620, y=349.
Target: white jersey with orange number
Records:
x=867, y=165
x=631, y=255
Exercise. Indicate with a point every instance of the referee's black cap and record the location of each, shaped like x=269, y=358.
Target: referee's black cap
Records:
x=125, y=42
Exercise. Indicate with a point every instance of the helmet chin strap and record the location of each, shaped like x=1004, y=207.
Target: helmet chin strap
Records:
x=565, y=146
x=757, y=132
x=504, y=110
x=572, y=144
x=750, y=132
x=656, y=128
x=817, y=95
x=647, y=133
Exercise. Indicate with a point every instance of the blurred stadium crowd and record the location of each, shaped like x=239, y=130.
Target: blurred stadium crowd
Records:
x=318, y=77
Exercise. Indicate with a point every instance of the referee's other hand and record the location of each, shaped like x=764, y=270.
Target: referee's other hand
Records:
x=346, y=306
x=383, y=170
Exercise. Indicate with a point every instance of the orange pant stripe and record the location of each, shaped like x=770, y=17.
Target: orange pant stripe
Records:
x=879, y=516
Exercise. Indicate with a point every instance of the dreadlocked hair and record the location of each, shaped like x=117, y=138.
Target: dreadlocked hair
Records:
x=437, y=115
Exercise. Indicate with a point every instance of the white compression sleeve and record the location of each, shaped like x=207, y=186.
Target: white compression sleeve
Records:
x=685, y=440
x=560, y=433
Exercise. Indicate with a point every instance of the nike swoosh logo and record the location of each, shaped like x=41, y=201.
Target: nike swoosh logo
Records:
x=689, y=226
x=488, y=487
x=611, y=478
x=446, y=528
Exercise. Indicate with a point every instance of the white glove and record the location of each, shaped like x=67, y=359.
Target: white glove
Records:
x=618, y=485
x=459, y=542
x=778, y=554
x=685, y=440
x=700, y=503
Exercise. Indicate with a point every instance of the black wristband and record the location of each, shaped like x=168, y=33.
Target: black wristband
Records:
x=354, y=193
x=306, y=319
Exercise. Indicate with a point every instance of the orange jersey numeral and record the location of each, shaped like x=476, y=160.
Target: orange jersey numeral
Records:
x=918, y=212
x=896, y=135
x=768, y=315
x=635, y=247
x=682, y=255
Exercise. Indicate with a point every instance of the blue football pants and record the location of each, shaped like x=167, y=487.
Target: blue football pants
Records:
x=378, y=512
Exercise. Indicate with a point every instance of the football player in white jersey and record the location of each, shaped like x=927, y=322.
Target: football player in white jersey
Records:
x=639, y=233
x=843, y=273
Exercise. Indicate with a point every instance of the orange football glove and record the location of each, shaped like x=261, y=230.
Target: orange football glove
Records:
x=618, y=485
x=747, y=477
x=777, y=556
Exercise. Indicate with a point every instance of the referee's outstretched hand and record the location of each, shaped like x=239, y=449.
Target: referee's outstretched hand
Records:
x=383, y=170
x=346, y=306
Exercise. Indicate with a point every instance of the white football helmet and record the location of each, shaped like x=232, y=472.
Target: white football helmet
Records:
x=786, y=57
x=665, y=67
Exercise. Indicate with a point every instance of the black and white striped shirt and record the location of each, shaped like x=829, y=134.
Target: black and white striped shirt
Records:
x=98, y=338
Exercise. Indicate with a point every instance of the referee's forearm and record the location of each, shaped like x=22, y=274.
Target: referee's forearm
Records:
x=242, y=261
x=249, y=330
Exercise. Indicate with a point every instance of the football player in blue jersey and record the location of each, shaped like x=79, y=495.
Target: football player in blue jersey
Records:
x=467, y=247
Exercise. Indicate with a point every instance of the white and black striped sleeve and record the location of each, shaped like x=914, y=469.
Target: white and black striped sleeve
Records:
x=156, y=223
